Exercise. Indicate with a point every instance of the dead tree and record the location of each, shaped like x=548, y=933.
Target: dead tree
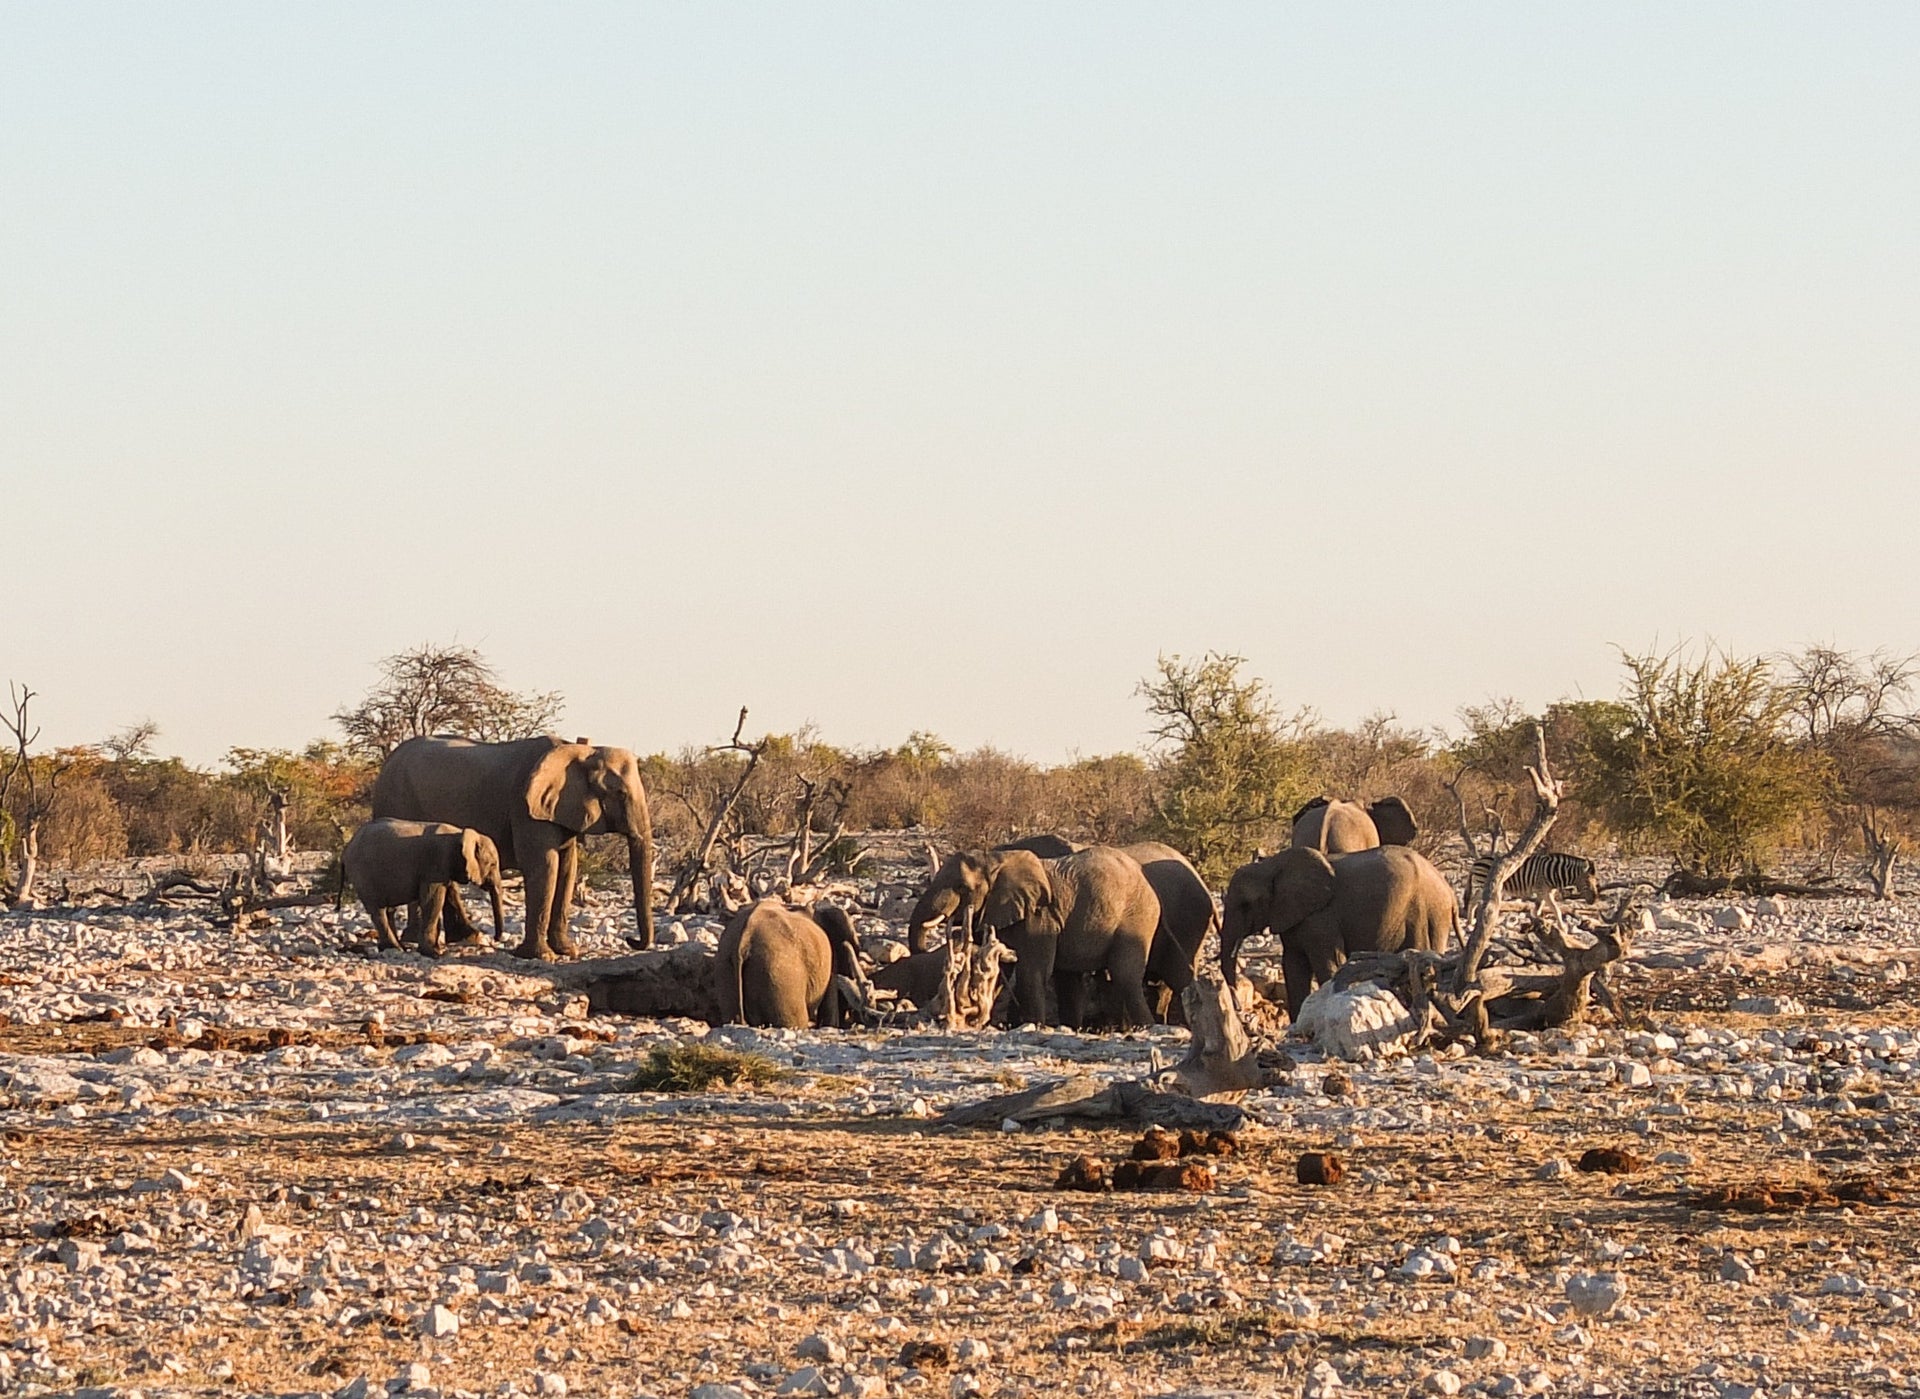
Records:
x=1883, y=848
x=36, y=783
x=1485, y=920
x=272, y=849
x=971, y=985
x=697, y=862
x=830, y=797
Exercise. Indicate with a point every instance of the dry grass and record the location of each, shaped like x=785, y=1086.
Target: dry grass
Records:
x=696, y=1068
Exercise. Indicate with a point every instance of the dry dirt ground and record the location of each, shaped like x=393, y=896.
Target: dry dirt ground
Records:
x=476, y=1203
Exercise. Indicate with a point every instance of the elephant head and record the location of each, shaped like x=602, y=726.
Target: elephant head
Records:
x=960, y=883
x=1275, y=893
x=1022, y=893
x=597, y=791
x=478, y=862
x=1393, y=818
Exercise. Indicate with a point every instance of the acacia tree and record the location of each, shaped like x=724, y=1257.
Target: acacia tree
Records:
x=1231, y=770
x=1705, y=759
x=443, y=689
x=1855, y=713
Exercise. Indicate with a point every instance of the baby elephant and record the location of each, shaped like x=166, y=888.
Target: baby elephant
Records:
x=390, y=862
x=776, y=965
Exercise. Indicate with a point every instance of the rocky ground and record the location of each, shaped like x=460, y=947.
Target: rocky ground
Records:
x=261, y=1164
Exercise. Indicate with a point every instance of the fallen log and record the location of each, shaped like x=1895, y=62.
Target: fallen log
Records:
x=1221, y=1062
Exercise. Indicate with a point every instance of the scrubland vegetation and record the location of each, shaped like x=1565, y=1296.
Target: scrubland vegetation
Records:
x=1726, y=763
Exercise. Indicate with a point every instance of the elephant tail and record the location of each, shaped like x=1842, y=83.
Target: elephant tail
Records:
x=739, y=982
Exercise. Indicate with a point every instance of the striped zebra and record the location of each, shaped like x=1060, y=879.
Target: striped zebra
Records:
x=1551, y=869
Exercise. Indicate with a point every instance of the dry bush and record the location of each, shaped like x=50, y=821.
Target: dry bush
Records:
x=1104, y=801
x=993, y=797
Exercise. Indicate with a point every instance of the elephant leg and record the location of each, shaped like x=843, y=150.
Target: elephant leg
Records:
x=1073, y=990
x=460, y=927
x=383, y=933
x=1127, y=965
x=1033, y=976
x=416, y=919
x=541, y=869
x=432, y=901
x=1298, y=972
x=558, y=931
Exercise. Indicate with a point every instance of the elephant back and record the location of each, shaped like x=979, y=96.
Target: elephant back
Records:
x=1334, y=827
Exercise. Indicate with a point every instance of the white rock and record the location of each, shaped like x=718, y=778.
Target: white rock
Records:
x=1357, y=1024
x=1733, y=920
x=1735, y=1269
x=972, y=1352
x=1441, y=1382
x=806, y=1380
x=549, y=1383
x=439, y=1322
x=1596, y=1294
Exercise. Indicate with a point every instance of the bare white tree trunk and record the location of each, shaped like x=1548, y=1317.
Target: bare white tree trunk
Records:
x=29, y=859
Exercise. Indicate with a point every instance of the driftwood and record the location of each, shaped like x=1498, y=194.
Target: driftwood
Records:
x=1556, y=985
x=1480, y=931
x=1084, y=1099
x=1685, y=883
x=1223, y=1062
x=970, y=984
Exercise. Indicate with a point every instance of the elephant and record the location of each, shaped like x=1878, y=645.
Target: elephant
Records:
x=1187, y=915
x=959, y=888
x=1087, y=912
x=959, y=884
x=776, y=966
x=1342, y=827
x=534, y=798
x=1381, y=900
x=390, y=862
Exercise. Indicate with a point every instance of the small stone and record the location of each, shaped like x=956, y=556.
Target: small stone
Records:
x=1486, y=1348
x=414, y=1378
x=439, y=1322
x=1596, y=1294
x=1734, y=1268
x=806, y=1380
x=1441, y=1382
x=972, y=1352
x=821, y=1347
x=1323, y=1382
x=549, y=1383
x=352, y=1389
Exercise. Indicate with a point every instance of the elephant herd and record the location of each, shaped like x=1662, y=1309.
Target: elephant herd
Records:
x=1097, y=932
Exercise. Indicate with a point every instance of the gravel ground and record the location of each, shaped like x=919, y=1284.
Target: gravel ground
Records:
x=262, y=1164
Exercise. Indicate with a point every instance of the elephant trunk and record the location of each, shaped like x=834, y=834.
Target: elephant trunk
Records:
x=499, y=920
x=1233, y=932
x=640, y=863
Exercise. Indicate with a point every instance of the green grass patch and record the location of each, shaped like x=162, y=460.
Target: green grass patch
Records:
x=695, y=1068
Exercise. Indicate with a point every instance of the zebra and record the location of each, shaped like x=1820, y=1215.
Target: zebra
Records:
x=1549, y=870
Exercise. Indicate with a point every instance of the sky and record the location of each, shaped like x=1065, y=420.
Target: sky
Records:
x=936, y=367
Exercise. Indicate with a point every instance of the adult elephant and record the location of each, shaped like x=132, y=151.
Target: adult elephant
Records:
x=776, y=965
x=1342, y=827
x=959, y=883
x=1187, y=914
x=534, y=798
x=1326, y=909
x=1084, y=913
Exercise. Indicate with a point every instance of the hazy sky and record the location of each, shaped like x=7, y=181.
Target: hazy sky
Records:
x=936, y=366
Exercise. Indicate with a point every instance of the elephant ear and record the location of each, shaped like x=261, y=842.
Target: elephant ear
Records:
x=1302, y=884
x=1313, y=805
x=473, y=853
x=559, y=791
x=1394, y=820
